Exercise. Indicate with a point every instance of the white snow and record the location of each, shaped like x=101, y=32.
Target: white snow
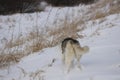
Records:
x=102, y=62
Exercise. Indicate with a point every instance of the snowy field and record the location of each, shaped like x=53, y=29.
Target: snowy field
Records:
x=102, y=62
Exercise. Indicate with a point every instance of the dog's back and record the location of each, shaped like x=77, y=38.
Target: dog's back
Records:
x=65, y=42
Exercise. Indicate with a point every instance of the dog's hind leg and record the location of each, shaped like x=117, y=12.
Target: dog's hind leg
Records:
x=69, y=61
x=63, y=58
x=68, y=64
x=78, y=62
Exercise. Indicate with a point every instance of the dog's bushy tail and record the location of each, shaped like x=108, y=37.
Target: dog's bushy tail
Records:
x=86, y=49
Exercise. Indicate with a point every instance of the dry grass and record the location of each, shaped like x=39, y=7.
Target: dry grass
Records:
x=104, y=8
x=53, y=37
x=115, y=9
x=36, y=41
x=99, y=15
x=14, y=43
x=37, y=75
x=8, y=59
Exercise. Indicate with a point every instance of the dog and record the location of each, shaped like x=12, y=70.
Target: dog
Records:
x=71, y=50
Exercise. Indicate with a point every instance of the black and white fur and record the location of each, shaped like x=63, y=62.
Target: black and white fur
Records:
x=71, y=49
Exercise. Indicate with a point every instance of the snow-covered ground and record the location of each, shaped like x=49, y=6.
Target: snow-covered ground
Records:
x=102, y=62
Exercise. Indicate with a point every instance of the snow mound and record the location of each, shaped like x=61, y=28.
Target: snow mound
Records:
x=102, y=62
